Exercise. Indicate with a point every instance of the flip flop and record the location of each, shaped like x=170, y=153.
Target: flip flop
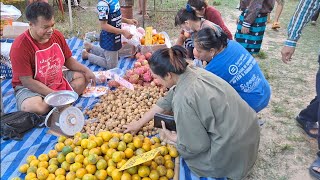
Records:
x=314, y=173
x=275, y=25
x=307, y=126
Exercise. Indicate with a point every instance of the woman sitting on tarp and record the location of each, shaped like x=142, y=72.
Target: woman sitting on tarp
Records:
x=217, y=132
x=233, y=63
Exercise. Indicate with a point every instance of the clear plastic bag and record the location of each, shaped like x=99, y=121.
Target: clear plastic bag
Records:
x=9, y=12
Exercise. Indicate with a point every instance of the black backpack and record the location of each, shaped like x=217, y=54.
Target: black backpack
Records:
x=15, y=125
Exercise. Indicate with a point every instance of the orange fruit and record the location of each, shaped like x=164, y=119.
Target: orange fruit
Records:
x=24, y=168
x=91, y=144
x=44, y=164
x=122, y=146
x=153, y=165
x=169, y=164
x=111, y=163
x=91, y=168
x=75, y=166
x=30, y=176
x=30, y=158
x=86, y=152
x=159, y=160
x=62, y=139
x=143, y=171
x=65, y=165
x=84, y=143
x=127, y=138
x=164, y=150
x=106, y=136
x=101, y=174
x=78, y=150
x=116, y=174
x=146, y=178
x=32, y=169
x=51, y=177
x=135, y=177
x=54, y=161
x=133, y=170
x=131, y=146
x=79, y=158
x=173, y=153
x=142, y=41
x=129, y=153
x=77, y=141
x=162, y=170
x=140, y=151
x=167, y=157
x=126, y=176
x=42, y=173
x=71, y=176
x=163, y=178
x=52, y=168
x=88, y=177
x=170, y=173
x=104, y=148
x=95, y=151
x=99, y=141
x=68, y=142
x=81, y=172
x=161, y=41
x=102, y=164
x=53, y=154
x=92, y=158
x=137, y=143
x=121, y=163
x=60, y=171
x=34, y=162
x=110, y=169
x=70, y=157
x=113, y=143
x=154, y=175
x=116, y=157
x=148, y=163
x=146, y=146
x=60, y=177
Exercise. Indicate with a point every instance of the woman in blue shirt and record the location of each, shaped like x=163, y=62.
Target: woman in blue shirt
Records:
x=233, y=63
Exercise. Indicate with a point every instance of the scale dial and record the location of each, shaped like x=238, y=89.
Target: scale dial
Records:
x=71, y=121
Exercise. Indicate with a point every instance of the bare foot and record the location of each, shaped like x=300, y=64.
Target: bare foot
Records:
x=85, y=54
x=87, y=46
x=140, y=12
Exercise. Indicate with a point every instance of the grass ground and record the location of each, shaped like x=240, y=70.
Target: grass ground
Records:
x=285, y=151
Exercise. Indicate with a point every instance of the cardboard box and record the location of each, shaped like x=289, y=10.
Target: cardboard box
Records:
x=15, y=30
x=152, y=48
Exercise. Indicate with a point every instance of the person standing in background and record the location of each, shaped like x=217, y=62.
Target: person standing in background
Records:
x=308, y=117
x=143, y=8
x=252, y=23
x=279, y=8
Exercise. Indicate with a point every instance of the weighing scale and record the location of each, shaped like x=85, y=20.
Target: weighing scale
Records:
x=63, y=119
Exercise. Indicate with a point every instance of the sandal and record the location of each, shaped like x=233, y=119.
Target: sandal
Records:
x=275, y=25
x=313, y=172
x=307, y=126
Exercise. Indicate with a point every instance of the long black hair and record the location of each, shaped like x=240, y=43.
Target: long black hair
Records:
x=208, y=38
x=185, y=14
x=37, y=9
x=168, y=60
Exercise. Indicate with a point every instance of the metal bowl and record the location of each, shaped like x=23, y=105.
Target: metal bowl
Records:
x=61, y=98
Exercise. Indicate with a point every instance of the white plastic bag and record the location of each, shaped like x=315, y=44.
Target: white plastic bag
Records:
x=9, y=12
x=135, y=40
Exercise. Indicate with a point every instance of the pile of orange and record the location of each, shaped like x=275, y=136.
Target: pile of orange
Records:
x=156, y=39
x=100, y=157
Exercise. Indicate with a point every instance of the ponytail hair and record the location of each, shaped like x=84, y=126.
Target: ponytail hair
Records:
x=208, y=38
x=168, y=60
x=185, y=14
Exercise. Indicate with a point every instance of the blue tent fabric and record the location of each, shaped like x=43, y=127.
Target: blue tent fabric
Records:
x=37, y=141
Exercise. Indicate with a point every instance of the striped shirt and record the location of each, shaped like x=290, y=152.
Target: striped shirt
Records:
x=303, y=14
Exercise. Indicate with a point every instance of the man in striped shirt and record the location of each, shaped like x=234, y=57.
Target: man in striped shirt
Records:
x=308, y=117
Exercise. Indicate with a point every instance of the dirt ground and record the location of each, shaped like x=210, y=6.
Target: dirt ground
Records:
x=286, y=152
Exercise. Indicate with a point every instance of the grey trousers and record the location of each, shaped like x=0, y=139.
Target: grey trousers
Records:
x=103, y=58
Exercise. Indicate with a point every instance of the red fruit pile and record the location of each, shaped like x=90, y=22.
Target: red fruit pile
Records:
x=141, y=72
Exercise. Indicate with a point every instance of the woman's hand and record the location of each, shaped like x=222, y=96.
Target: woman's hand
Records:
x=133, y=22
x=133, y=127
x=167, y=136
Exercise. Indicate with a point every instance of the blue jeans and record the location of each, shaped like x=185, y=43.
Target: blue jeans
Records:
x=312, y=111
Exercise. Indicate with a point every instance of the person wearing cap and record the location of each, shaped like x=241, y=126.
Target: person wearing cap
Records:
x=38, y=57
